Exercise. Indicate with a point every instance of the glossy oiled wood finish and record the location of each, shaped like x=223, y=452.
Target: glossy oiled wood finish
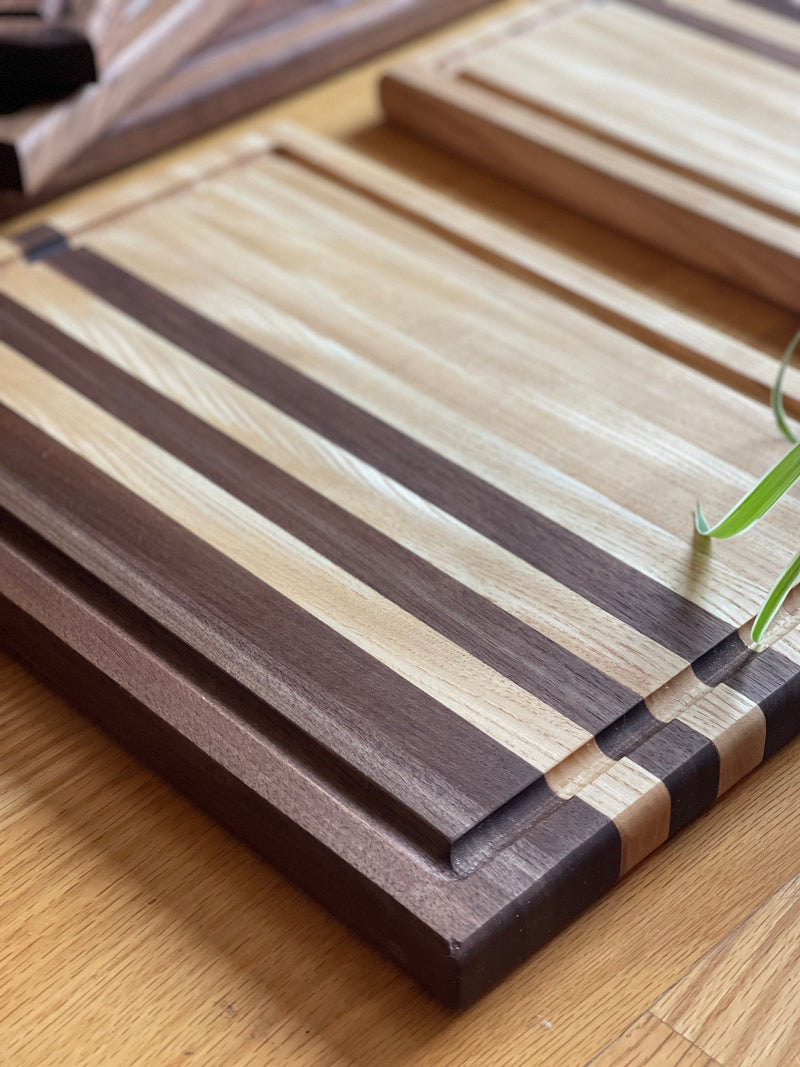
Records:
x=378, y=555
x=696, y=154
x=269, y=49
x=124, y=896
x=143, y=44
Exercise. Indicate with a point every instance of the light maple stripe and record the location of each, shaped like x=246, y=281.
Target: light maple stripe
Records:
x=658, y=553
x=679, y=335
x=528, y=594
x=737, y=727
x=489, y=701
x=638, y=802
x=542, y=383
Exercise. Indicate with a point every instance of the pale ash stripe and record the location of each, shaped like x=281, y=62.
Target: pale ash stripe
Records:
x=185, y=269
x=536, y=599
x=518, y=249
x=573, y=427
x=508, y=714
x=736, y=726
x=497, y=330
x=789, y=646
x=638, y=802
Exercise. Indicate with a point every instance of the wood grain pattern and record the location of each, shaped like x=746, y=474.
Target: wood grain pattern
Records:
x=271, y=48
x=706, y=170
x=84, y=823
x=749, y=976
x=782, y=7
x=650, y=1041
x=143, y=45
x=759, y=28
x=321, y=537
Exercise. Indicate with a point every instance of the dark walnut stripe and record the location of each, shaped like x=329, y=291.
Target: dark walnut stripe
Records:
x=768, y=678
x=645, y=604
x=789, y=8
x=573, y=857
x=541, y=666
x=439, y=766
x=74, y=609
x=688, y=764
x=772, y=681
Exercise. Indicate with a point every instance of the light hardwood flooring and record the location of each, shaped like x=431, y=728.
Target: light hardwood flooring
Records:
x=135, y=931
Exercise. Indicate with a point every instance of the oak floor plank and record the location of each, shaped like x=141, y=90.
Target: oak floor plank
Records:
x=651, y=1041
x=739, y=1003
x=139, y=931
x=115, y=855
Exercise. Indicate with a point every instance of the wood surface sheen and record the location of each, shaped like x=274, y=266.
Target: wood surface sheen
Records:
x=696, y=153
x=268, y=49
x=141, y=903
x=362, y=538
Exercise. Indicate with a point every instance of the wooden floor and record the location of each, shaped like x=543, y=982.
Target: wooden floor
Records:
x=136, y=931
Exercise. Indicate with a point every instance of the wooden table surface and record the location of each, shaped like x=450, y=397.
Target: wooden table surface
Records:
x=134, y=930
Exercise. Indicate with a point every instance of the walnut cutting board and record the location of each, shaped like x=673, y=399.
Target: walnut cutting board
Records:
x=676, y=122
x=369, y=524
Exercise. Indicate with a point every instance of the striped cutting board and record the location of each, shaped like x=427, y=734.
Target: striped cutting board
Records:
x=369, y=523
x=674, y=121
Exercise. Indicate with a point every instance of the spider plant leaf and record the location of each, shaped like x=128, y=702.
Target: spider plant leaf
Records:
x=775, y=598
x=757, y=502
x=776, y=397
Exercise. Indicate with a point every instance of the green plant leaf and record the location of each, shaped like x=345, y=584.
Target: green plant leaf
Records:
x=757, y=502
x=775, y=598
x=776, y=397
x=760, y=499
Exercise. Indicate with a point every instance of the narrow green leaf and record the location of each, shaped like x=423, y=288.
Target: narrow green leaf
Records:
x=757, y=502
x=775, y=598
x=776, y=397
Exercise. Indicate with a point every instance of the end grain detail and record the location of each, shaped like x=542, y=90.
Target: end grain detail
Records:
x=355, y=515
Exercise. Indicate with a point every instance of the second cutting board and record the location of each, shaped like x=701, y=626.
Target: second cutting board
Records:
x=676, y=123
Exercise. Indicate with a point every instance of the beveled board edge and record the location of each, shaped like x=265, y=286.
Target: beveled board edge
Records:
x=458, y=934
x=153, y=181
x=694, y=222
